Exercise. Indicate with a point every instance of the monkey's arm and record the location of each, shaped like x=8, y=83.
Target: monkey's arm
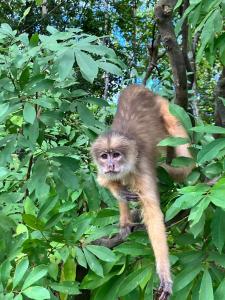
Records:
x=121, y=193
x=154, y=222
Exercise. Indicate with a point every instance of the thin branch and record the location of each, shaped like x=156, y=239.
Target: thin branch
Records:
x=153, y=50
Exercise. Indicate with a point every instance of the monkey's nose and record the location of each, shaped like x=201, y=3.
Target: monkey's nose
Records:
x=111, y=167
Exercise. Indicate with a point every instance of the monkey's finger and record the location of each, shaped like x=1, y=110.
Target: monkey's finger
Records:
x=164, y=290
x=164, y=296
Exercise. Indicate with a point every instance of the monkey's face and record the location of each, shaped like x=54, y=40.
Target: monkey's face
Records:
x=114, y=155
x=112, y=163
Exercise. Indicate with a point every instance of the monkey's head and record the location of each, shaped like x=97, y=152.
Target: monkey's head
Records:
x=115, y=155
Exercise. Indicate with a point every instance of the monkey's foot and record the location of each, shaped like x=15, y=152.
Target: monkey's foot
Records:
x=125, y=231
x=129, y=196
x=164, y=291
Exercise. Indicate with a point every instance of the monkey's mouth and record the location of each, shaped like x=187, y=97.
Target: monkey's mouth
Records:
x=111, y=172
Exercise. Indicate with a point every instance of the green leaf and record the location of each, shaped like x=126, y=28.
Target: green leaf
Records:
x=66, y=287
x=210, y=151
x=87, y=65
x=53, y=220
x=217, y=227
x=132, y=281
x=183, y=202
x=133, y=249
x=29, y=113
x=111, y=68
x=86, y=115
x=209, y=129
x=93, y=263
x=20, y=271
x=36, y=274
x=102, y=253
x=181, y=114
x=36, y=293
x=69, y=269
x=198, y=210
x=213, y=170
x=218, y=259
x=66, y=61
x=217, y=197
x=220, y=292
x=198, y=227
x=48, y=206
x=92, y=193
x=3, y=109
x=68, y=177
x=24, y=77
x=173, y=141
x=3, y=172
x=53, y=270
x=185, y=277
x=80, y=257
x=33, y=222
x=206, y=289
x=182, y=161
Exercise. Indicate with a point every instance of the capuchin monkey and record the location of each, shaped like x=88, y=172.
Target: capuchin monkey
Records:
x=126, y=160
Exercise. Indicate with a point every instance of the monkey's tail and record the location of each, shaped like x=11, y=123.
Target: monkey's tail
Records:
x=178, y=174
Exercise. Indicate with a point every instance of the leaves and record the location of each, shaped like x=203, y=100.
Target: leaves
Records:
x=206, y=288
x=20, y=271
x=173, y=141
x=102, y=253
x=217, y=225
x=132, y=281
x=66, y=61
x=66, y=287
x=87, y=65
x=36, y=274
x=185, y=277
x=29, y=113
x=36, y=293
x=93, y=263
x=210, y=151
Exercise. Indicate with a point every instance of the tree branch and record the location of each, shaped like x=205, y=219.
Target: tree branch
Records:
x=163, y=13
x=118, y=238
x=153, y=50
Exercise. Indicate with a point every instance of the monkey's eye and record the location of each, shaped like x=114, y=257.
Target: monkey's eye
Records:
x=116, y=154
x=104, y=156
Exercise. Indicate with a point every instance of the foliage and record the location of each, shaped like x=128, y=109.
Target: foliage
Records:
x=52, y=210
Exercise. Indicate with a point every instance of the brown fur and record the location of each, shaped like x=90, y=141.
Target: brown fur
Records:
x=141, y=121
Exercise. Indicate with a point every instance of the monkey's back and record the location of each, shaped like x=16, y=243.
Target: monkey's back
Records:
x=138, y=116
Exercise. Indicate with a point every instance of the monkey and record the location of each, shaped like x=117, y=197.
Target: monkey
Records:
x=126, y=158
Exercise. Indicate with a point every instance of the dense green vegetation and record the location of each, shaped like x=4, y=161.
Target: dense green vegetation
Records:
x=61, y=67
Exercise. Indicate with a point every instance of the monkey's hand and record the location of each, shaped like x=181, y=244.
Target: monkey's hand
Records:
x=128, y=196
x=125, y=230
x=164, y=291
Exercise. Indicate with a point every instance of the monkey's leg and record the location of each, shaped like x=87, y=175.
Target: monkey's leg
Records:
x=154, y=222
x=174, y=128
